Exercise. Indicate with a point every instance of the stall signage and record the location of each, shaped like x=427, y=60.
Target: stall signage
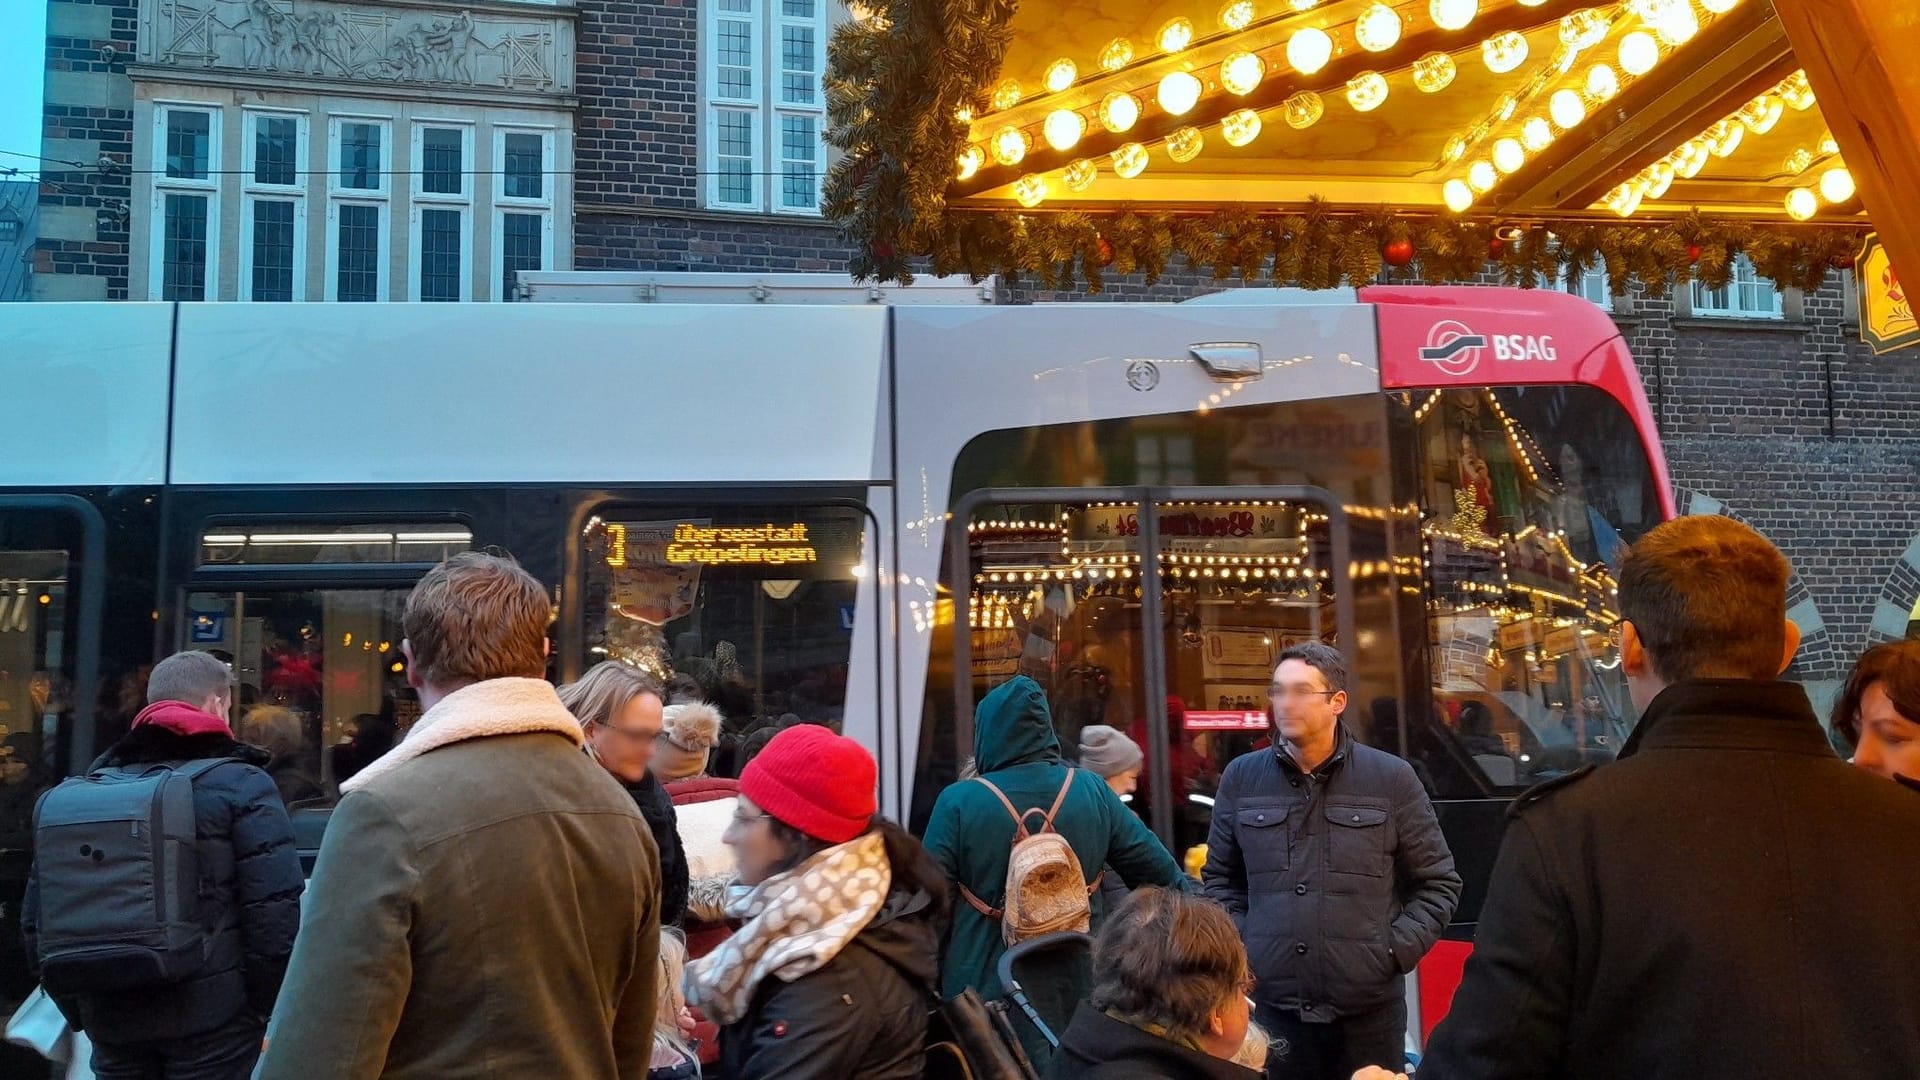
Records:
x=1886, y=314
x=1233, y=720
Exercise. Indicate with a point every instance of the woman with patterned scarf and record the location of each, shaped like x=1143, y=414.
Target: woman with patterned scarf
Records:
x=833, y=970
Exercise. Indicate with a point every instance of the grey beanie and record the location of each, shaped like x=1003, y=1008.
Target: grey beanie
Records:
x=1108, y=752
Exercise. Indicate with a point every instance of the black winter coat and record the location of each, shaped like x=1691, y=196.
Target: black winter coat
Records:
x=861, y=1017
x=1728, y=899
x=657, y=807
x=1095, y=1046
x=250, y=881
x=1340, y=882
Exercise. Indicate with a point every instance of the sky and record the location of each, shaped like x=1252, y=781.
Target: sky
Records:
x=23, y=45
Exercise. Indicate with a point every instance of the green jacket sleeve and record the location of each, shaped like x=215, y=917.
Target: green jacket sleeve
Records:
x=351, y=966
x=1132, y=850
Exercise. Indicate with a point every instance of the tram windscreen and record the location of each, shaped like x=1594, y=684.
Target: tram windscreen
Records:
x=1528, y=496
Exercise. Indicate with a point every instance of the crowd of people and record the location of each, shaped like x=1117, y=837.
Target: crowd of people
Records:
x=542, y=882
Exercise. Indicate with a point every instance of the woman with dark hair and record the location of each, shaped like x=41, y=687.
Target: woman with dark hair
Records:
x=1879, y=711
x=832, y=972
x=1170, y=984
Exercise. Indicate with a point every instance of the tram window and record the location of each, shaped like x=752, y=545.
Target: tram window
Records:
x=1528, y=498
x=753, y=604
x=322, y=681
x=307, y=543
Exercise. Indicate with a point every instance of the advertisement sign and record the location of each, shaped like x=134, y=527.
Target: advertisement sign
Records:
x=1886, y=315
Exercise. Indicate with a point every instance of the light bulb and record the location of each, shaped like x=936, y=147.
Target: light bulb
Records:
x=1659, y=179
x=1010, y=145
x=1377, y=29
x=1455, y=149
x=1504, y=52
x=1240, y=127
x=1602, y=83
x=1802, y=203
x=1457, y=194
x=1719, y=7
x=969, y=162
x=1639, y=52
x=1007, y=94
x=1627, y=201
x=1175, y=35
x=1308, y=50
x=1584, y=29
x=1797, y=93
x=1061, y=73
x=1236, y=15
x=1536, y=134
x=1434, y=72
x=1304, y=110
x=1366, y=91
x=1116, y=54
x=1799, y=161
x=1184, y=145
x=1452, y=14
x=1836, y=184
x=1509, y=155
x=1693, y=158
x=1726, y=138
x=1827, y=143
x=1030, y=190
x=1118, y=112
x=1129, y=161
x=1179, y=91
x=1241, y=72
x=1504, y=109
x=1675, y=21
x=1762, y=113
x=1080, y=175
x=1481, y=176
x=1567, y=108
x=1064, y=128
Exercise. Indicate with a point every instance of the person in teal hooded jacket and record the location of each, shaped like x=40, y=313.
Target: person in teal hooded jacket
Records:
x=971, y=834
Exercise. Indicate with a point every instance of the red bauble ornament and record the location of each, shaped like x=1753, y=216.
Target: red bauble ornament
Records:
x=1843, y=261
x=1693, y=253
x=1397, y=252
x=882, y=252
x=1104, y=248
x=1496, y=247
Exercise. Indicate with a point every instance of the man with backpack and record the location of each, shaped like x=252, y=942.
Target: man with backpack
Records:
x=165, y=891
x=1025, y=841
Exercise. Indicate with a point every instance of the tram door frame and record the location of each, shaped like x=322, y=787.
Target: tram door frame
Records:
x=1147, y=499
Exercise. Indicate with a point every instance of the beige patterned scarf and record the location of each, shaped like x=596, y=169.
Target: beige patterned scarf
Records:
x=796, y=922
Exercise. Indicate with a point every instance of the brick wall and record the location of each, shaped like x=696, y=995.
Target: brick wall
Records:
x=88, y=113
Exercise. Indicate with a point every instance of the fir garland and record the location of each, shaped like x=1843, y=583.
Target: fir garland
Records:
x=898, y=82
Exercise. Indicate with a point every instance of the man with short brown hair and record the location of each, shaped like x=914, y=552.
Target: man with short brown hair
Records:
x=486, y=901
x=1673, y=914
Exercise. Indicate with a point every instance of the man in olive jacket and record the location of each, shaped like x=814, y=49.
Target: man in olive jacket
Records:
x=487, y=898
x=1728, y=898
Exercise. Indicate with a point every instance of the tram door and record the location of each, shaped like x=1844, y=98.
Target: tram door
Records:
x=1158, y=612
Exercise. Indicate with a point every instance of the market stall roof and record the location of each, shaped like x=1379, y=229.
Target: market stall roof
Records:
x=985, y=136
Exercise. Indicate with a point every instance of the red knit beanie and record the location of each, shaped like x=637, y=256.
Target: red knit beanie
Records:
x=818, y=782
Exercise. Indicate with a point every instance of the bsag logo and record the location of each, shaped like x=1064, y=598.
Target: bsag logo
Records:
x=1456, y=349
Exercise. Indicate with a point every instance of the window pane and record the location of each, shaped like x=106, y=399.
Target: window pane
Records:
x=733, y=46
x=733, y=155
x=316, y=543
x=797, y=9
x=799, y=81
x=755, y=603
x=189, y=143
x=442, y=151
x=36, y=689
x=440, y=254
x=272, y=249
x=524, y=165
x=360, y=156
x=520, y=248
x=799, y=150
x=359, y=253
x=184, y=248
x=275, y=143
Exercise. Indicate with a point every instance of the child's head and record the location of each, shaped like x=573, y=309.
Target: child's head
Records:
x=673, y=962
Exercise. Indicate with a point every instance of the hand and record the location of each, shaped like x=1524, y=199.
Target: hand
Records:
x=686, y=1022
x=1374, y=1072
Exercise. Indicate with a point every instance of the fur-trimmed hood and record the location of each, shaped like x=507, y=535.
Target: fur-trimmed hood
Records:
x=151, y=743
x=513, y=706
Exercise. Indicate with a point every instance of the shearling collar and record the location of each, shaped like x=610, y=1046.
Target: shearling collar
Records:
x=495, y=707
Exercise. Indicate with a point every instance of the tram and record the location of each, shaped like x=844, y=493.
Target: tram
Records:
x=858, y=514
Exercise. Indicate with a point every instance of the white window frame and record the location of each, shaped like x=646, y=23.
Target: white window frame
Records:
x=776, y=141
x=384, y=175
x=382, y=258
x=1736, y=305
x=764, y=106
x=254, y=192
x=1592, y=281
x=504, y=204
x=164, y=185
x=461, y=203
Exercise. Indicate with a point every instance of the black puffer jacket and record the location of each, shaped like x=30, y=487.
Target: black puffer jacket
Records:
x=657, y=807
x=864, y=1015
x=250, y=881
x=1095, y=1046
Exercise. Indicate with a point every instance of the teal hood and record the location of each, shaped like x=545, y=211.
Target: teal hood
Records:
x=1013, y=726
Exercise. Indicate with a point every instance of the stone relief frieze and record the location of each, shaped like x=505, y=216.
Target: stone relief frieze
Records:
x=437, y=46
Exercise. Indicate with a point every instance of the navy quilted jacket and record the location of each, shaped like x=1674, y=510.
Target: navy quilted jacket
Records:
x=250, y=885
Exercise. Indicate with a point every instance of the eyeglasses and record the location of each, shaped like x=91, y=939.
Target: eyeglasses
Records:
x=745, y=820
x=1282, y=693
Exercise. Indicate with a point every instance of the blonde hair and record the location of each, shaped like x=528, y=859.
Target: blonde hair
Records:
x=605, y=689
x=476, y=617
x=666, y=1013
x=273, y=728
